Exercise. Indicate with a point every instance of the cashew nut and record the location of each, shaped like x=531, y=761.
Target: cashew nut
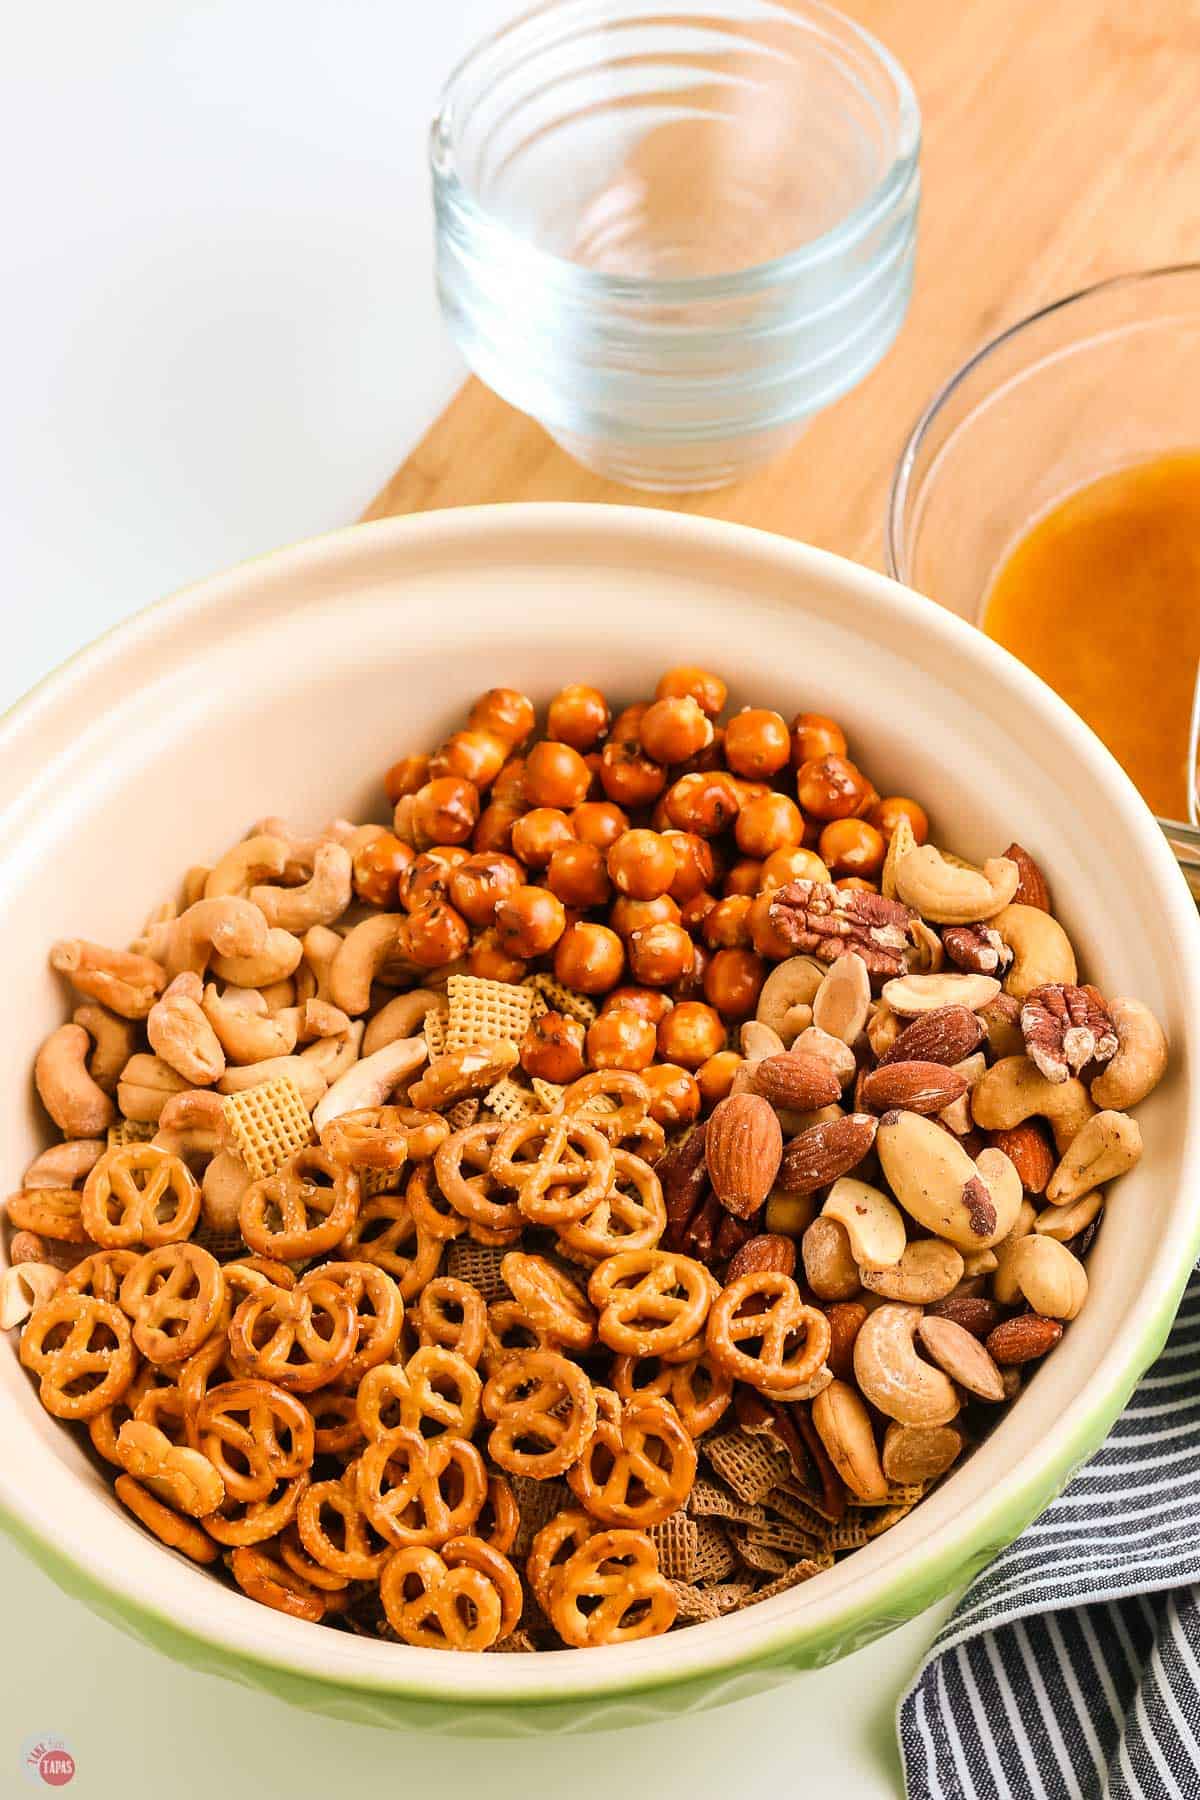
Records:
x=758, y=1041
x=829, y=1265
x=1041, y=949
x=874, y=1224
x=1141, y=1058
x=979, y=1262
x=1003, y=1026
x=115, y=1041
x=950, y=894
x=78, y=1106
x=928, y=954
x=891, y=1374
x=785, y=1002
x=146, y=1084
x=370, y=1082
x=1066, y=1222
x=915, y=1453
x=957, y=1116
x=843, y=1000
x=152, y=939
x=192, y=1126
x=902, y=840
x=179, y=1032
x=225, y=1182
x=335, y=1056
x=254, y=859
x=63, y=1165
x=309, y=1079
x=227, y=926
x=1014, y=1089
x=832, y=1050
x=23, y=1287
x=278, y=958
x=929, y=1269
x=843, y=1425
x=323, y=898
x=402, y=1017
x=277, y=996
x=883, y=1028
x=1053, y=1281
x=1104, y=1148
x=246, y=1031
x=1004, y=1287
x=360, y=956
x=321, y=946
x=125, y=983
x=317, y=1019
x=913, y=994
x=972, y=1204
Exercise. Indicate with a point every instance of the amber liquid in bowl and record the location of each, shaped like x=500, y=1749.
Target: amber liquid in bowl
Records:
x=1102, y=600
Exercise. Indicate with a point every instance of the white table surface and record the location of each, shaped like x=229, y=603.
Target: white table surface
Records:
x=221, y=336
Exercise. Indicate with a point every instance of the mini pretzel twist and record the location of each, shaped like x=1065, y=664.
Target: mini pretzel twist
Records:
x=358, y=1552
x=431, y=1211
x=568, y=1173
x=299, y=1340
x=167, y=1526
x=764, y=1307
x=51, y=1213
x=101, y=1274
x=500, y=1519
x=638, y=1467
x=649, y=1301
x=175, y=1297
x=239, y=1522
x=273, y=1584
x=386, y=1233
x=617, y=1573
x=701, y=1393
x=82, y=1352
x=539, y=1397
x=632, y=1215
x=439, y=1494
x=551, y=1550
x=379, y=1311
x=473, y=1552
x=437, y=1607
x=304, y=1209
x=555, y=1307
x=453, y=1315
x=474, y=1195
x=139, y=1194
x=629, y=1091
x=267, y=1430
x=435, y=1388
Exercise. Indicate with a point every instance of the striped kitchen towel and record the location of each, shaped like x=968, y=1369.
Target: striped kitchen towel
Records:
x=1071, y=1668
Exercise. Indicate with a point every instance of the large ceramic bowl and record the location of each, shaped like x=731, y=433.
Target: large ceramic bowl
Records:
x=286, y=686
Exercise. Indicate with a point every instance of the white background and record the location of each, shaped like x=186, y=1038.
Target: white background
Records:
x=221, y=335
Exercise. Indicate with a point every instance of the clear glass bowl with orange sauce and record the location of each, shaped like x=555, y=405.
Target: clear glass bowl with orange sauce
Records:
x=1050, y=493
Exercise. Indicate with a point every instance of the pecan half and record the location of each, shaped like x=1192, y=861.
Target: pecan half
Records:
x=1032, y=889
x=826, y=921
x=1065, y=1028
x=684, y=1177
x=978, y=948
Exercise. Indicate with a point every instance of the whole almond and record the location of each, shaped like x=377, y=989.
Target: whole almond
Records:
x=798, y=1080
x=1031, y=888
x=823, y=1152
x=972, y=1311
x=743, y=1146
x=846, y=1318
x=1030, y=1152
x=767, y=1251
x=920, y=1087
x=946, y=1034
x=1022, y=1339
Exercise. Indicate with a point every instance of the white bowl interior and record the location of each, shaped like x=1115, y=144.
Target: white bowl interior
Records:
x=288, y=686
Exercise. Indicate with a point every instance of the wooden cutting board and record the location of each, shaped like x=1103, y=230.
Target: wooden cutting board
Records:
x=1062, y=144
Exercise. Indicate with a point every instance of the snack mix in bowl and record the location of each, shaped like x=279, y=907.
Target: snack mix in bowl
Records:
x=585, y=1208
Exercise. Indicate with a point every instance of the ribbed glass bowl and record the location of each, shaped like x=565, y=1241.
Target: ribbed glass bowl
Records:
x=673, y=234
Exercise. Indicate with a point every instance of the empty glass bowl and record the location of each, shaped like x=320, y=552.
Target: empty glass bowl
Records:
x=673, y=234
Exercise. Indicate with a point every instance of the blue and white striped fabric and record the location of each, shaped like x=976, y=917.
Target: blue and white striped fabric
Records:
x=1071, y=1668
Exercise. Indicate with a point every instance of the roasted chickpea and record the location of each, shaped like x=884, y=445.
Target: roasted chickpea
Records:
x=660, y=954
x=628, y=721
x=589, y=958
x=475, y=756
x=745, y=877
x=706, y=803
x=488, y=959
x=405, y=777
x=693, y=914
x=427, y=877
x=674, y=729
x=495, y=828
x=715, y=1077
x=852, y=847
x=649, y=1002
x=578, y=716
x=445, y=811
x=553, y=1049
x=707, y=690
x=695, y=864
x=690, y=985
x=814, y=736
x=831, y=788
x=626, y=915
x=599, y=822
x=641, y=864
x=733, y=981
x=576, y=873
x=538, y=834
x=690, y=1034
x=792, y=864
x=620, y=1040
x=477, y=884
x=556, y=775
x=857, y=884
x=674, y=1095
x=725, y=927
x=627, y=774
x=377, y=867
x=509, y=785
x=507, y=713
x=768, y=823
x=435, y=934
x=711, y=757
x=529, y=921
x=765, y=936
x=757, y=743
x=885, y=815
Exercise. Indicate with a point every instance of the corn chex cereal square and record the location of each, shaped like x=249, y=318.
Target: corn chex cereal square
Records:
x=434, y=1028
x=482, y=1011
x=564, y=999
x=745, y=1463
x=478, y=1265
x=510, y=1101
x=130, y=1131
x=714, y=1553
x=677, y=1542
x=799, y=1572
x=267, y=1124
